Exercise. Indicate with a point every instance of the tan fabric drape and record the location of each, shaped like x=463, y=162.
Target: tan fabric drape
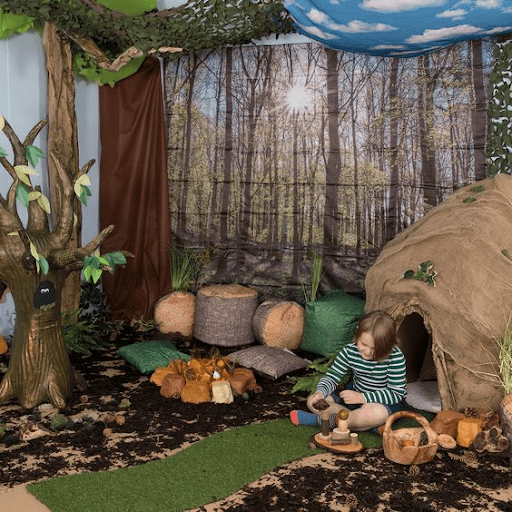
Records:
x=134, y=191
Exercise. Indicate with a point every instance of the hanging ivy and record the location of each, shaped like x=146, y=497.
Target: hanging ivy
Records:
x=499, y=151
x=197, y=25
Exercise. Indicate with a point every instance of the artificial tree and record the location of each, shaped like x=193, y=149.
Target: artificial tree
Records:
x=35, y=259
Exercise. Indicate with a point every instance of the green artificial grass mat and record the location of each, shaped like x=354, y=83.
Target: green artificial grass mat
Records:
x=206, y=471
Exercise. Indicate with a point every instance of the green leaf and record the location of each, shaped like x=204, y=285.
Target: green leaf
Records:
x=103, y=261
x=87, y=261
x=2, y=152
x=409, y=274
x=87, y=190
x=43, y=263
x=33, y=154
x=22, y=195
x=87, y=273
x=116, y=257
x=95, y=262
x=96, y=274
x=83, y=196
x=426, y=266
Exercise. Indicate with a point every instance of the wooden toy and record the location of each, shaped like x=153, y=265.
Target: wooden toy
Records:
x=340, y=440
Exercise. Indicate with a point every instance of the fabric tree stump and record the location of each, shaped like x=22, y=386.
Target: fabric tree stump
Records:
x=459, y=312
x=279, y=324
x=175, y=313
x=224, y=315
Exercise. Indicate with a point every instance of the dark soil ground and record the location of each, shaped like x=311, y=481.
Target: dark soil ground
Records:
x=103, y=434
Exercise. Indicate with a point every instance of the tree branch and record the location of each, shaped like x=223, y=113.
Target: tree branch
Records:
x=32, y=134
x=92, y=49
x=72, y=259
x=17, y=146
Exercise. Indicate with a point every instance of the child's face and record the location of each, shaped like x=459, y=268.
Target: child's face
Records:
x=366, y=346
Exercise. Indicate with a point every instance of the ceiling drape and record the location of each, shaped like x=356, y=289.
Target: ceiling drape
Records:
x=134, y=191
x=399, y=28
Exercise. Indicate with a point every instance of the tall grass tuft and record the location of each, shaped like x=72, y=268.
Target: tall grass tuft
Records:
x=505, y=357
x=185, y=266
x=316, y=275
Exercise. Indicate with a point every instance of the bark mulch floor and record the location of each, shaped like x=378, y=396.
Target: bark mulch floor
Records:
x=122, y=420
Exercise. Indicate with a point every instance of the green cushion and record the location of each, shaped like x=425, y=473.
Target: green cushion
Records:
x=330, y=322
x=146, y=356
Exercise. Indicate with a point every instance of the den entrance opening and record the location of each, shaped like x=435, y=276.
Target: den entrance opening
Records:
x=416, y=344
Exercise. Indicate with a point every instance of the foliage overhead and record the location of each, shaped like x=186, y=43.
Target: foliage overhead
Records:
x=197, y=25
x=499, y=152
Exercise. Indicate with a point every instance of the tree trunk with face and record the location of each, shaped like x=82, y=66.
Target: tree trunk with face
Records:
x=34, y=263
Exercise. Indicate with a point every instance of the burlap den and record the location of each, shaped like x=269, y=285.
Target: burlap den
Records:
x=455, y=323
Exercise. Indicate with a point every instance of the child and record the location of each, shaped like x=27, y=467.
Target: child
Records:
x=378, y=384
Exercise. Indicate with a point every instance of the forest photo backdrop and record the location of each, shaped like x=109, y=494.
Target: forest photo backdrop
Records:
x=278, y=150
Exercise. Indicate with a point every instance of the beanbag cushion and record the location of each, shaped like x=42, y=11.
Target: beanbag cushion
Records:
x=269, y=361
x=146, y=356
x=330, y=322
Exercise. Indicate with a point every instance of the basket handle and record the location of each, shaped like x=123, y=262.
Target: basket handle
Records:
x=431, y=434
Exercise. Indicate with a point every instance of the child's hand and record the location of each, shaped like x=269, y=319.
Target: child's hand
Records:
x=350, y=396
x=312, y=399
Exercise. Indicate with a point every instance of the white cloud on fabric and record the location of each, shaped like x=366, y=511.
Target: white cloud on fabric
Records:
x=457, y=13
x=489, y=4
x=356, y=26
x=443, y=33
x=403, y=5
x=497, y=30
x=317, y=16
x=389, y=47
x=316, y=32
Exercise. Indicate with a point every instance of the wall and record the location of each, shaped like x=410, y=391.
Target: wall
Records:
x=23, y=90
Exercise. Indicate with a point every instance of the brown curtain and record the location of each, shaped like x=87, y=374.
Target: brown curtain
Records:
x=134, y=191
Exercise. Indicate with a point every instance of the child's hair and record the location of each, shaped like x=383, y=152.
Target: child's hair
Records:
x=383, y=329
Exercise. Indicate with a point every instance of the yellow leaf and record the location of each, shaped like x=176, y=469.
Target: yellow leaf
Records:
x=24, y=169
x=2, y=122
x=23, y=177
x=82, y=180
x=33, y=251
x=44, y=203
x=34, y=195
x=13, y=233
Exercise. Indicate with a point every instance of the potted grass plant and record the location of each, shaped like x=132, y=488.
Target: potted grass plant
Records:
x=175, y=312
x=505, y=360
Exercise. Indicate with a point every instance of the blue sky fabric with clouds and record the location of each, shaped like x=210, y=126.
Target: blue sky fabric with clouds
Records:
x=399, y=28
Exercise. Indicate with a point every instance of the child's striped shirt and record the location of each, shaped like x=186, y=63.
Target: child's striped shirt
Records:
x=379, y=381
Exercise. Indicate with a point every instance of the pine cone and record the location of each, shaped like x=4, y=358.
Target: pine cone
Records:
x=471, y=412
x=423, y=438
x=490, y=420
x=414, y=470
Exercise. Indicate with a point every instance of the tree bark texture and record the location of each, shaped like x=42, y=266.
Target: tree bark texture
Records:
x=63, y=141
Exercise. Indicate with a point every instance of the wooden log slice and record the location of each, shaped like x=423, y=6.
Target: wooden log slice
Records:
x=175, y=313
x=224, y=315
x=279, y=324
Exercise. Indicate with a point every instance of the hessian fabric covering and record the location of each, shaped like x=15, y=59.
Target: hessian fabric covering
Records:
x=468, y=305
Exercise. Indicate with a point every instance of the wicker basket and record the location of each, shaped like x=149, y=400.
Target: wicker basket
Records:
x=402, y=445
